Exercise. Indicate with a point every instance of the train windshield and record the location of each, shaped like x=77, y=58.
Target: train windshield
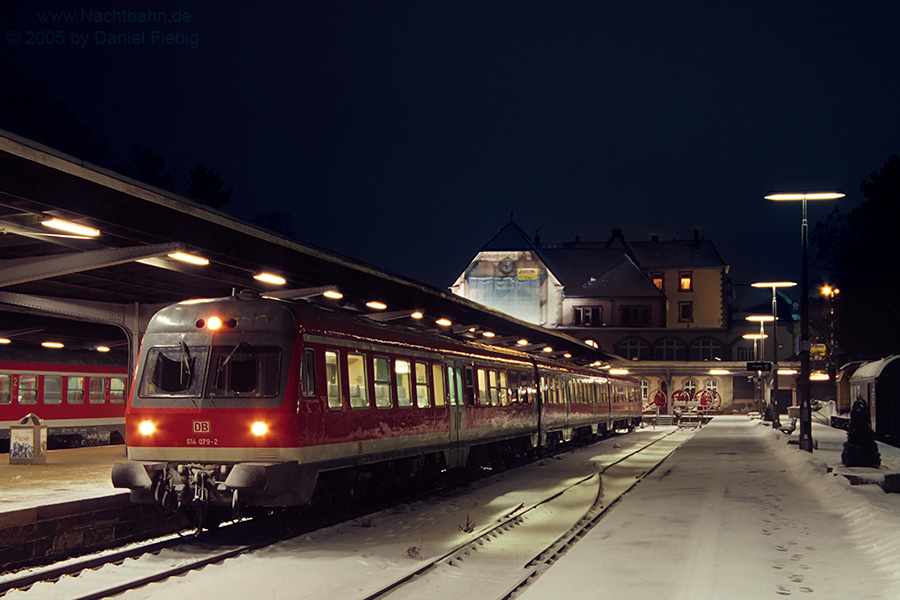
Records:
x=243, y=371
x=174, y=371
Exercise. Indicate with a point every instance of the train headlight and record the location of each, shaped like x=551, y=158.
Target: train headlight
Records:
x=146, y=427
x=259, y=428
x=214, y=323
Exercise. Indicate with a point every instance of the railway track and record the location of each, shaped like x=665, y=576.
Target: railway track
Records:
x=89, y=577
x=116, y=572
x=502, y=546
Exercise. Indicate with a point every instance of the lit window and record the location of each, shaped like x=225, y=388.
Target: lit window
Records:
x=97, y=390
x=356, y=375
x=382, y=383
x=75, y=390
x=686, y=282
x=658, y=279
x=28, y=389
x=402, y=372
x=333, y=379
x=423, y=396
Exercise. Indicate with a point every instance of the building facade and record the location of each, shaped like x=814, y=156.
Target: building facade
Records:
x=667, y=308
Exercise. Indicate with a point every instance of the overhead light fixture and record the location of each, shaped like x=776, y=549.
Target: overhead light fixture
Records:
x=333, y=294
x=488, y=334
x=5, y=341
x=548, y=349
x=618, y=371
x=270, y=278
x=102, y=348
x=417, y=315
x=803, y=196
x=755, y=336
x=189, y=258
x=592, y=343
x=70, y=227
x=719, y=372
x=787, y=371
x=53, y=345
x=760, y=318
x=567, y=355
x=444, y=322
x=376, y=305
x=522, y=342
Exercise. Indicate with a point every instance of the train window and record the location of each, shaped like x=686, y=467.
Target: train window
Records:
x=52, y=389
x=401, y=370
x=513, y=387
x=470, y=387
x=382, y=383
x=437, y=376
x=116, y=390
x=484, y=397
x=333, y=379
x=28, y=388
x=503, y=389
x=243, y=370
x=308, y=373
x=5, y=388
x=525, y=388
x=74, y=390
x=423, y=390
x=174, y=371
x=97, y=390
x=359, y=383
x=492, y=380
x=456, y=387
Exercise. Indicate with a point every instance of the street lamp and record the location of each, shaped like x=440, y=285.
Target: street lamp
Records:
x=830, y=292
x=776, y=422
x=757, y=356
x=806, y=441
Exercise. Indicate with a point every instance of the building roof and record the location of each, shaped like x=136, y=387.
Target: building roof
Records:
x=510, y=238
x=598, y=272
x=684, y=254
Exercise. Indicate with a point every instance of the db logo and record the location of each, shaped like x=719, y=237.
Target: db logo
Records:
x=201, y=427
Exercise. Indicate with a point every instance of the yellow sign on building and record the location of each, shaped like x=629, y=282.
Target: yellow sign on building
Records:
x=527, y=274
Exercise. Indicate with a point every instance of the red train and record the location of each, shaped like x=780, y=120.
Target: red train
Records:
x=255, y=402
x=80, y=395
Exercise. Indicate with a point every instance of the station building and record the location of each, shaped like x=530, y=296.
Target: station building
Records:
x=667, y=308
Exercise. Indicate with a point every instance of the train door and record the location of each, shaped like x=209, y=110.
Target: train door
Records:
x=457, y=408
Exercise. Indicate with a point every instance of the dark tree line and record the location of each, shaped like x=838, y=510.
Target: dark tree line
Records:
x=27, y=110
x=857, y=252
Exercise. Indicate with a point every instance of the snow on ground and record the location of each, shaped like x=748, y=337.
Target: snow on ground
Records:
x=736, y=512
x=72, y=474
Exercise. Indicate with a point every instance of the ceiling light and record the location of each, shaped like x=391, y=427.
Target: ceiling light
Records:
x=618, y=371
x=270, y=278
x=374, y=304
x=522, y=342
x=5, y=341
x=488, y=334
x=52, y=345
x=333, y=294
x=444, y=322
x=69, y=227
x=719, y=372
x=102, y=348
x=189, y=258
x=548, y=349
x=417, y=315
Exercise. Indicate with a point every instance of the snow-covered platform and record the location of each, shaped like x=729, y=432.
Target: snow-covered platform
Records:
x=738, y=512
x=69, y=475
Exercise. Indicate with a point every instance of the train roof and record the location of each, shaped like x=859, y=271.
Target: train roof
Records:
x=312, y=318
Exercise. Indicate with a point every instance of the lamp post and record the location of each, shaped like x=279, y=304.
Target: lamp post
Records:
x=761, y=319
x=806, y=441
x=776, y=422
x=830, y=292
x=757, y=356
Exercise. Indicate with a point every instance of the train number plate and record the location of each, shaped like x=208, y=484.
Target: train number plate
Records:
x=201, y=427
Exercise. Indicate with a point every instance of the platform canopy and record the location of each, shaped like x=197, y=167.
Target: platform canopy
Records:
x=52, y=279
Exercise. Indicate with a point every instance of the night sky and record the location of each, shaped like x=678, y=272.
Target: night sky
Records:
x=403, y=134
